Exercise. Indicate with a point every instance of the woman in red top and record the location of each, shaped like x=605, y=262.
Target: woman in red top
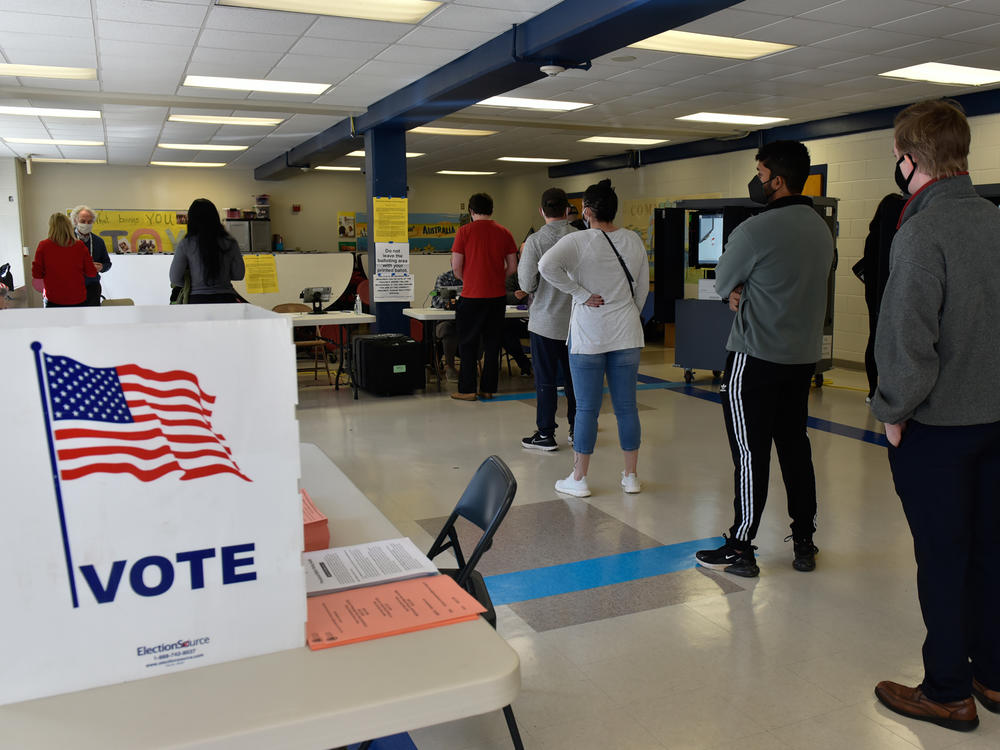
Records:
x=61, y=264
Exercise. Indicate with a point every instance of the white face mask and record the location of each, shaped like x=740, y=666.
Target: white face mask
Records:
x=84, y=228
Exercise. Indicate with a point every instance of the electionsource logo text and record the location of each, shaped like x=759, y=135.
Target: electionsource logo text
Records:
x=165, y=647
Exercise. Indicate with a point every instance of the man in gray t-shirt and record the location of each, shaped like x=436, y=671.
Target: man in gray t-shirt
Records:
x=548, y=324
x=774, y=273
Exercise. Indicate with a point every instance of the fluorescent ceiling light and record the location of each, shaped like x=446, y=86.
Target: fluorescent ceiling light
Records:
x=943, y=73
x=712, y=46
x=517, y=102
x=51, y=142
x=532, y=159
x=340, y=169
x=623, y=141
x=47, y=71
x=54, y=160
x=409, y=154
x=201, y=147
x=188, y=163
x=263, y=122
x=397, y=11
x=256, y=84
x=461, y=172
x=451, y=131
x=91, y=114
x=731, y=119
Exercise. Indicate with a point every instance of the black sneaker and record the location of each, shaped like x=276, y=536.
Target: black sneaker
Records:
x=541, y=442
x=570, y=439
x=805, y=553
x=730, y=559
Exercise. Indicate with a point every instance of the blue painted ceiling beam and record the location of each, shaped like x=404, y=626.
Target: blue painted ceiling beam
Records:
x=975, y=104
x=574, y=31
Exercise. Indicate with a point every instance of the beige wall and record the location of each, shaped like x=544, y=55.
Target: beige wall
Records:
x=860, y=169
x=56, y=187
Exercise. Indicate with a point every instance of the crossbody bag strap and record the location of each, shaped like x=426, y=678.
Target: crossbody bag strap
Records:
x=628, y=274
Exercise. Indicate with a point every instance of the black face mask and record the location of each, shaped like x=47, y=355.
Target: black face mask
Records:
x=756, y=189
x=903, y=183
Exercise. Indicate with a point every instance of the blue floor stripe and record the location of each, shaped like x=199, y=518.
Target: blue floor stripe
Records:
x=395, y=742
x=523, y=585
x=652, y=383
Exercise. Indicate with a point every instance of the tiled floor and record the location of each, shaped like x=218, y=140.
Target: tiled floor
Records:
x=685, y=659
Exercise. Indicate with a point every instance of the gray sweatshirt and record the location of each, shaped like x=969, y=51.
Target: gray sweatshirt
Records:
x=937, y=345
x=783, y=258
x=186, y=258
x=550, y=308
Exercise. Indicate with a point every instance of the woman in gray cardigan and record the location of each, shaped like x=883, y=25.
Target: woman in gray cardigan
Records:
x=210, y=254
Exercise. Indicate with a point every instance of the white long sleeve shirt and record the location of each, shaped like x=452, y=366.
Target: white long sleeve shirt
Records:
x=582, y=264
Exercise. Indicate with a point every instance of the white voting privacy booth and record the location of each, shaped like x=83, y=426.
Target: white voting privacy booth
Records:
x=150, y=515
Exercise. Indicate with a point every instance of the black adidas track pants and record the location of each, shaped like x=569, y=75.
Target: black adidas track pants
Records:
x=763, y=402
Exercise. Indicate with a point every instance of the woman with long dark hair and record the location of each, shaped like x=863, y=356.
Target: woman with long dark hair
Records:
x=210, y=254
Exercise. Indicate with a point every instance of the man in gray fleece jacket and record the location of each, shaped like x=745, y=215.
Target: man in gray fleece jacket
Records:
x=938, y=355
x=774, y=272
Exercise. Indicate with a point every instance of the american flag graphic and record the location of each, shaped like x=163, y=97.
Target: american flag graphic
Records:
x=132, y=420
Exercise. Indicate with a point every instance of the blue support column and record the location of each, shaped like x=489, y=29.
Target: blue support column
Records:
x=385, y=177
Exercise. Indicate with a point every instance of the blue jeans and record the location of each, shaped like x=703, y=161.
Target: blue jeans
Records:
x=622, y=369
x=547, y=355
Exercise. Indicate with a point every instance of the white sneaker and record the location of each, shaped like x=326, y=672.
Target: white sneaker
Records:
x=574, y=487
x=630, y=483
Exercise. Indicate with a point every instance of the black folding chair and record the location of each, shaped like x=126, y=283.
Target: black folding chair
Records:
x=484, y=503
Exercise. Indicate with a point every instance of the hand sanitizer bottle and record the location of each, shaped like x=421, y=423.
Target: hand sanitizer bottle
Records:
x=357, y=304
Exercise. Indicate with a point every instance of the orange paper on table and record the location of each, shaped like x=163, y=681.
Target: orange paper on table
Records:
x=316, y=530
x=387, y=609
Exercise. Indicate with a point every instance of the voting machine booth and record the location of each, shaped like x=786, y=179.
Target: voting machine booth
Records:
x=151, y=516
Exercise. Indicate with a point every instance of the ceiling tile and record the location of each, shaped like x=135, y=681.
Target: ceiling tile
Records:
x=148, y=11
x=351, y=29
x=402, y=53
x=986, y=35
x=800, y=31
x=26, y=23
x=980, y=6
x=358, y=50
x=531, y=6
x=311, y=68
x=467, y=18
x=941, y=22
x=730, y=22
x=783, y=7
x=148, y=33
x=939, y=50
x=865, y=40
x=865, y=13
x=258, y=21
x=74, y=8
x=246, y=41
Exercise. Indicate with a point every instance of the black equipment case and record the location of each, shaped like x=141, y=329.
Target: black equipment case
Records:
x=388, y=364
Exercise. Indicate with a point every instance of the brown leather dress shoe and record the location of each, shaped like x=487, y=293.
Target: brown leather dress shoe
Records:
x=464, y=396
x=911, y=701
x=990, y=699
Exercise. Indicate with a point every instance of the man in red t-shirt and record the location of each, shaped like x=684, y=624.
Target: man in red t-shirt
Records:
x=482, y=257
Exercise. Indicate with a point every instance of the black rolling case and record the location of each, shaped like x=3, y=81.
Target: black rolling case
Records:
x=388, y=364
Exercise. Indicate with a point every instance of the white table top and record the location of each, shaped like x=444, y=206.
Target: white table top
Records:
x=434, y=313
x=332, y=318
x=296, y=699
